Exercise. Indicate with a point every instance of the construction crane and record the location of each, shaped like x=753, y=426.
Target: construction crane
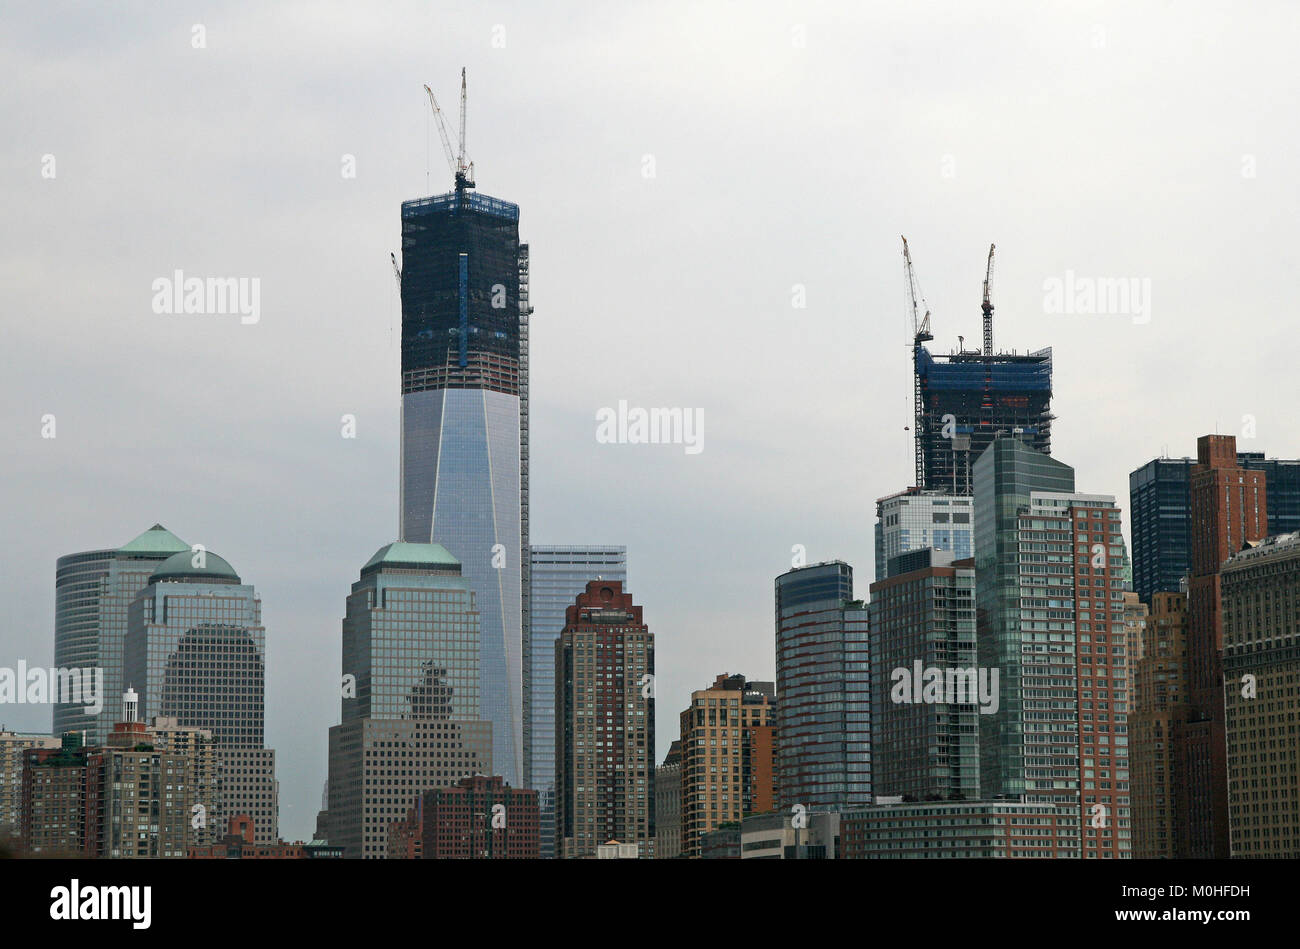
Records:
x=396, y=269
x=988, y=305
x=463, y=173
x=461, y=154
x=920, y=334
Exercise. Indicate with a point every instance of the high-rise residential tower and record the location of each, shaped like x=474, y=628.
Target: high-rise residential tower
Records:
x=139, y=795
x=196, y=652
x=12, y=747
x=823, y=684
x=93, y=591
x=558, y=575
x=464, y=453
x=604, y=724
x=1050, y=577
x=410, y=704
x=728, y=757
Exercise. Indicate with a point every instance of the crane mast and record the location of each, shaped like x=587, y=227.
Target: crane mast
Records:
x=988, y=305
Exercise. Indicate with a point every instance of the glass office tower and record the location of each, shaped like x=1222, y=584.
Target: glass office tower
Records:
x=93, y=591
x=410, y=702
x=196, y=652
x=464, y=454
x=559, y=574
x=196, y=649
x=823, y=682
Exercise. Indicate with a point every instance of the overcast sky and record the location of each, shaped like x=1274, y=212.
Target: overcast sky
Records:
x=791, y=145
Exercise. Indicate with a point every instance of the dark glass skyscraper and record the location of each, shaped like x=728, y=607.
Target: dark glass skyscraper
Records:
x=464, y=464
x=1160, y=504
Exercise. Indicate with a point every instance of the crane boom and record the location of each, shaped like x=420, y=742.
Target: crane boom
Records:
x=920, y=333
x=442, y=131
x=396, y=269
x=920, y=324
x=988, y=305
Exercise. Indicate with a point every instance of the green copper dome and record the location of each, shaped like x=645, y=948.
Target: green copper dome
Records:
x=402, y=554
x=156, y=540
x=180, y=566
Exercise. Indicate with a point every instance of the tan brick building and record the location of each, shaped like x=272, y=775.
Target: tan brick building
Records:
x=728, y=756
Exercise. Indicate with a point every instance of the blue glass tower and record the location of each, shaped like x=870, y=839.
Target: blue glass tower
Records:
x=823, y=679
x=464, y=454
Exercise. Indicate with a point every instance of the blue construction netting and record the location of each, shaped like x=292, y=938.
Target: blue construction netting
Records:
x=950, y=376
x=451, y=202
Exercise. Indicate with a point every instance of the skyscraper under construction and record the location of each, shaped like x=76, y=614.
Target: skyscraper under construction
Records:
x=464, y=454
x=964, y=399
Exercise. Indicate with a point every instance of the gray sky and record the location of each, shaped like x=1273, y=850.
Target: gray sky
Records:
x=792, y=144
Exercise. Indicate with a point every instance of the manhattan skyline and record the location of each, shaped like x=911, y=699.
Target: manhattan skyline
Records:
x=1106, y=142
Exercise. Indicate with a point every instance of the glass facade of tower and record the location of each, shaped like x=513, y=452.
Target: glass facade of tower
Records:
x=823, y=682
x=919, y=520
x=464, y=455
x=93, y=593
x=1005, y=477
x=196, y=652
x=410, y=639
x=559, y=574
x=1160, y=506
